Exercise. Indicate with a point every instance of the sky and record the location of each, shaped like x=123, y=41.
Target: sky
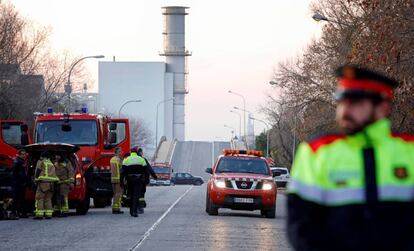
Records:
x=236, y=45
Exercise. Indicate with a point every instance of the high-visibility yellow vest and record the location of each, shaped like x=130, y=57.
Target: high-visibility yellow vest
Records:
x=332, y=171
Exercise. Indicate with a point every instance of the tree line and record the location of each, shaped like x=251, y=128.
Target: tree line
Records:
x=378, y=34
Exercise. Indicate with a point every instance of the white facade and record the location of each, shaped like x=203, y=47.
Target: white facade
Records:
x=120, y=82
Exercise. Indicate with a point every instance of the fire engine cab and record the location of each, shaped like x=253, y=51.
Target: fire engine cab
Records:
x=241, y=180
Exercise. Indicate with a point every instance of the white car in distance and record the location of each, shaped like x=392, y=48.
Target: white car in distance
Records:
x=284, y=178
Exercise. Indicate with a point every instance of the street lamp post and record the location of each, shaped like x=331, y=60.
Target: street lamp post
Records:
x=319, y=17
x=238, y=114
x=156, y=120
x=232, y=130
x=244, y=109
x=127, y=102
x=267, y=135
x=68, y=87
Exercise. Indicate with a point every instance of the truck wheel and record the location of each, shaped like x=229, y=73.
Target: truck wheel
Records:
x=211, y=208
x=100, y=202
x=83, y=206
x=271, y=213
x=207, y=203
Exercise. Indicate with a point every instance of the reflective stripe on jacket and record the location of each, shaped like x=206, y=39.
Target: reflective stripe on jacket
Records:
x=47, y=171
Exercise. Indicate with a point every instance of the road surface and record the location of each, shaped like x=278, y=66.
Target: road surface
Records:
x=174, y=220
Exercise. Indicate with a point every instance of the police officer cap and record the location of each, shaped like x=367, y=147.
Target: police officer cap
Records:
x=358, y=82
x=134, y=149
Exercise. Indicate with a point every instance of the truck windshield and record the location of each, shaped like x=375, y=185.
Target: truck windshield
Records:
x=82, y=133
x=12, y=134
x=161, y=169
x=242, y=165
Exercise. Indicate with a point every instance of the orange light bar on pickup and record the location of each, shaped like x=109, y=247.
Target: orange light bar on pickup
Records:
x=249, y=152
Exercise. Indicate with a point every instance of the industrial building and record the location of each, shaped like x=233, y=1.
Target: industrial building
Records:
x=161, y=86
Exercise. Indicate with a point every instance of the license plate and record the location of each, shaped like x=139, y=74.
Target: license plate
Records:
x=243, y=200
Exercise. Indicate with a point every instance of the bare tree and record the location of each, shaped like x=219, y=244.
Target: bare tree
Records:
x=140, y=133
x=31, y=75
x=374, y=33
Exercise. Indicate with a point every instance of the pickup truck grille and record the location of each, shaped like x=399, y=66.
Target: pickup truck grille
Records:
x=244, y=184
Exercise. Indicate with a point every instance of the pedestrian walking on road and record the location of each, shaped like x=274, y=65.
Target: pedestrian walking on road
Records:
x=20, y=181
x=355, y=190
x=149, y=172
x=45, y=177
x=133, y=170
x=116, y=163
x=65, y=173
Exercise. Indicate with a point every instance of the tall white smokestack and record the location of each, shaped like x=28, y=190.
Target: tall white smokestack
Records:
x=175, y=57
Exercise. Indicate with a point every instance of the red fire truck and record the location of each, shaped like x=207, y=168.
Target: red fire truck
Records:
x=13, y=135
x=96, y=136
x=164, y=174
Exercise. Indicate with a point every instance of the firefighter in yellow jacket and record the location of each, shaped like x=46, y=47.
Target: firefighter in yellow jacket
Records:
x=355, y=190
x=116, y=163
x=45, y=177
x=64, y=171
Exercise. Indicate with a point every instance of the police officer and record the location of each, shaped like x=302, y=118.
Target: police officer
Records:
x=19, y=185
x=65, y=173
x=355, y=191
x=149, y=171
x=133, y=170
x=45, y=177
x=116, y=163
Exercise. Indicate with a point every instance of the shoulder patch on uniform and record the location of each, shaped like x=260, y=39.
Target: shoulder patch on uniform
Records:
x=404, y=136
x=324, y=140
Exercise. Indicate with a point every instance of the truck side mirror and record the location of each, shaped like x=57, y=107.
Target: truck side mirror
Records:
x=209, y=170
x=24, y=128
x=112, y=138
x=24, y=139
x=112, y=126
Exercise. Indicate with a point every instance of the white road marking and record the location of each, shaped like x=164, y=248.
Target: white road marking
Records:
x=155, y=225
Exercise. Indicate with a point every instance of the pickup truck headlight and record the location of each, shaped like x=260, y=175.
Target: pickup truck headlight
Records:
x=220, y=183
x=267, y=186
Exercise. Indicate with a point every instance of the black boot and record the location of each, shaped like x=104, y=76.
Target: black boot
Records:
x=140, y=210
